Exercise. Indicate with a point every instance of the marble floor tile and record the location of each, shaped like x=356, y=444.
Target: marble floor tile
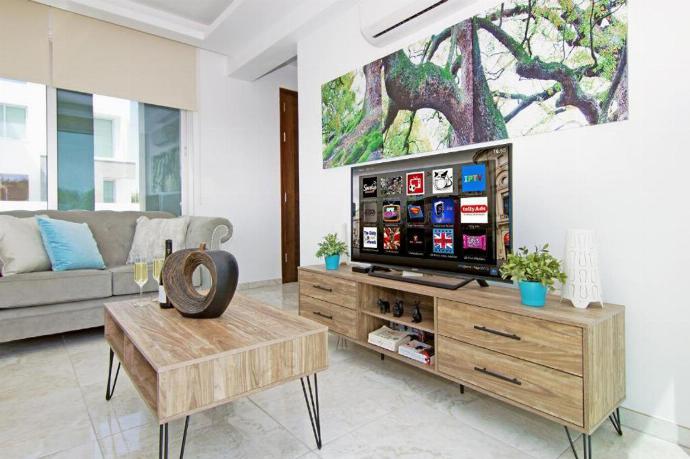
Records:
x=518, y=428
x=91, y=450
x=44, y=424
x=52, y=400
x=632, y=445
x=418, y=431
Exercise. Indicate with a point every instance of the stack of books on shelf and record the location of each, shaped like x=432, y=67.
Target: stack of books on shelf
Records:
x=388, y=338
x=418, y=351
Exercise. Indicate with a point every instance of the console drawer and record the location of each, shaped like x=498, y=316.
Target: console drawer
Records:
x=550, y=391
x=328, y=288
x=336, y=318
x=540, y=341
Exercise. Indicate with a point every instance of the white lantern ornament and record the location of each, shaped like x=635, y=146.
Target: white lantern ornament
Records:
x=583, y=285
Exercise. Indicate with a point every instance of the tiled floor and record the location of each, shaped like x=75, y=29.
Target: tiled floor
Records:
x=52, y=405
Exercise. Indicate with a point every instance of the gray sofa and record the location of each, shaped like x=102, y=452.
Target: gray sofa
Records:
x=44, y=303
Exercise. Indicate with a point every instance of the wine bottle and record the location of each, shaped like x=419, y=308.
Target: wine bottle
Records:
x=163, y=299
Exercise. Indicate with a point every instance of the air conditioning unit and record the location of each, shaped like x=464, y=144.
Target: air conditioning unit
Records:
x=384, y=21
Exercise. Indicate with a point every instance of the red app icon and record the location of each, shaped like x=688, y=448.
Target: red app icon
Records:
x=415, y=183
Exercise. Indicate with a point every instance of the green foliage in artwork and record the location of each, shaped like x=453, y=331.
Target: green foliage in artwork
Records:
x=537, y=66
x=339, y=111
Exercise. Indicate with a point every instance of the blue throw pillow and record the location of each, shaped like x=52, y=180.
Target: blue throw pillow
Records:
x=69, y=245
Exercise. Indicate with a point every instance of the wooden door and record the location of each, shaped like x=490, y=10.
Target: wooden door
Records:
x=289, y=185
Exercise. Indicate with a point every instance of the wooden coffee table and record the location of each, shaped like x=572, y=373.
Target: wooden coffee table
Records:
x=183, y=366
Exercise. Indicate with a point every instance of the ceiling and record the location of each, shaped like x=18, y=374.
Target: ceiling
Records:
x=202, y=11
x=256, y=36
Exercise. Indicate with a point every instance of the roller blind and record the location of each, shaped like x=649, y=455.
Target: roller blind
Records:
x=24, y=46
x=102, y=58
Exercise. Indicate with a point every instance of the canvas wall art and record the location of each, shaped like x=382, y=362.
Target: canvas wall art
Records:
x=524, y=67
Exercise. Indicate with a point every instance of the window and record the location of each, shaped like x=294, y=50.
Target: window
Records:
x=99, y=164
x=108, y=191
x=105, y=152
x=103, y=137
x=23, y=146
x=12, y=122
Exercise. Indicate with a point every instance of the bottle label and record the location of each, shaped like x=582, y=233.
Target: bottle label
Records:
x=162, y=297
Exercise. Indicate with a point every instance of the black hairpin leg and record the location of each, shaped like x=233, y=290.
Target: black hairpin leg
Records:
x=615, y=419
x=462, y=388
x=586, y=444
x=313, y=408
x=109, y=390
x=163, y=446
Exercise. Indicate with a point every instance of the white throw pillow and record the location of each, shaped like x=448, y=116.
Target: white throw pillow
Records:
x=21, y=246
x=150, y=236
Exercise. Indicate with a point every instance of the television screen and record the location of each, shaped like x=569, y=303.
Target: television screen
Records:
x=442, y=213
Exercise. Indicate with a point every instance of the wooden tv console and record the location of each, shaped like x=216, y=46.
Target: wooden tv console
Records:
x=562, y=363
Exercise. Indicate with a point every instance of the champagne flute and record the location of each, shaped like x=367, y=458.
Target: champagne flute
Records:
x=141, y=273
x=157, y=268
x=157, y=271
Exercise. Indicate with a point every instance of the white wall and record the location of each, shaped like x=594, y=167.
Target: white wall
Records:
x=625, y=180
x=237, y=161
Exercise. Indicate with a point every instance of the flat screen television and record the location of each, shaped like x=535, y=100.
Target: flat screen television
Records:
x=445, y=214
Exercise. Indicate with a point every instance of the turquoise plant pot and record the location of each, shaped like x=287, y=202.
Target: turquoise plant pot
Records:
x=533, y=293
x=332, y=262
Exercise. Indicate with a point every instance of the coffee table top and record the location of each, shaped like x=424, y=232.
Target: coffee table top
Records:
x=167, y=340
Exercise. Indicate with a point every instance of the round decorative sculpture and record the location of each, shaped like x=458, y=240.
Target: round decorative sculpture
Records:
x=177, y=278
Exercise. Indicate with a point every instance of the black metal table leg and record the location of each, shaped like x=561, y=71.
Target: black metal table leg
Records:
x=615, y=419
x=462, y=388
x=163, y=446
x=586, y=445
x=109, y=390
x=313, y=408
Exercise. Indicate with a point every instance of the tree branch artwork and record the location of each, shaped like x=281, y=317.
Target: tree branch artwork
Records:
x=524, y=67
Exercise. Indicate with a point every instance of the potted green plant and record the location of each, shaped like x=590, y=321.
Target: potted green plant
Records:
x=535, y=273
x=331, y=249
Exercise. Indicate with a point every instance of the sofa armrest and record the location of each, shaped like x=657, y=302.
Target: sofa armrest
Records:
x=211, y=230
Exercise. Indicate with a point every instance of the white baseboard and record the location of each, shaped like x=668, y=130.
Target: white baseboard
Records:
x=258, y=284
x=660, y=428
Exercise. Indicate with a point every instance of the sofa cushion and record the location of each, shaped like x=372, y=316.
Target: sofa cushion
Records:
x=123, y=281
x=70, y=245
x=113, y=231
x=150, y=236
x=31, y=289
x=21, y=246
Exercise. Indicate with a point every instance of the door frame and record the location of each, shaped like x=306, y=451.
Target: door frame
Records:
x=289, y=195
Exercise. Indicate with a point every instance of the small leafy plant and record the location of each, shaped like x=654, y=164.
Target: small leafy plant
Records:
x=537, y=266
x=331, y=246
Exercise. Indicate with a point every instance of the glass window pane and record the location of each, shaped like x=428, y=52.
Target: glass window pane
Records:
x=103, y=137
x=23, y=147
x=116, y=142
x=15, y=122
x=108, y=191
x=75, y=150
x=161, y=144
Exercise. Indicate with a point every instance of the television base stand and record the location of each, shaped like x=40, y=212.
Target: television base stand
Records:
x=445, y=282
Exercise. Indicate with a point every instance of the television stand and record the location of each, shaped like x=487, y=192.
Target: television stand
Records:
x=564, y=364
x=445, y=282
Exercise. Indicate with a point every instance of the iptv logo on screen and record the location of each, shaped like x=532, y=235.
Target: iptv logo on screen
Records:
x=473, y=178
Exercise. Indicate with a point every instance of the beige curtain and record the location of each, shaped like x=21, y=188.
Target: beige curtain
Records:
x=102, y=58
x=93, y=56
x=24, y=45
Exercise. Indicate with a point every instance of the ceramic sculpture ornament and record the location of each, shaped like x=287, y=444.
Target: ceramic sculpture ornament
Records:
x=583, y=285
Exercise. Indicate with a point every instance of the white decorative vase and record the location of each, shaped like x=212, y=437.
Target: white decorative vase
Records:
x=583, y=285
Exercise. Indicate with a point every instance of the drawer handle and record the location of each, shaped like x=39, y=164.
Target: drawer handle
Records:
x=323, y=315
x=496, y=332
x=498, y=376
x=325, y=289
